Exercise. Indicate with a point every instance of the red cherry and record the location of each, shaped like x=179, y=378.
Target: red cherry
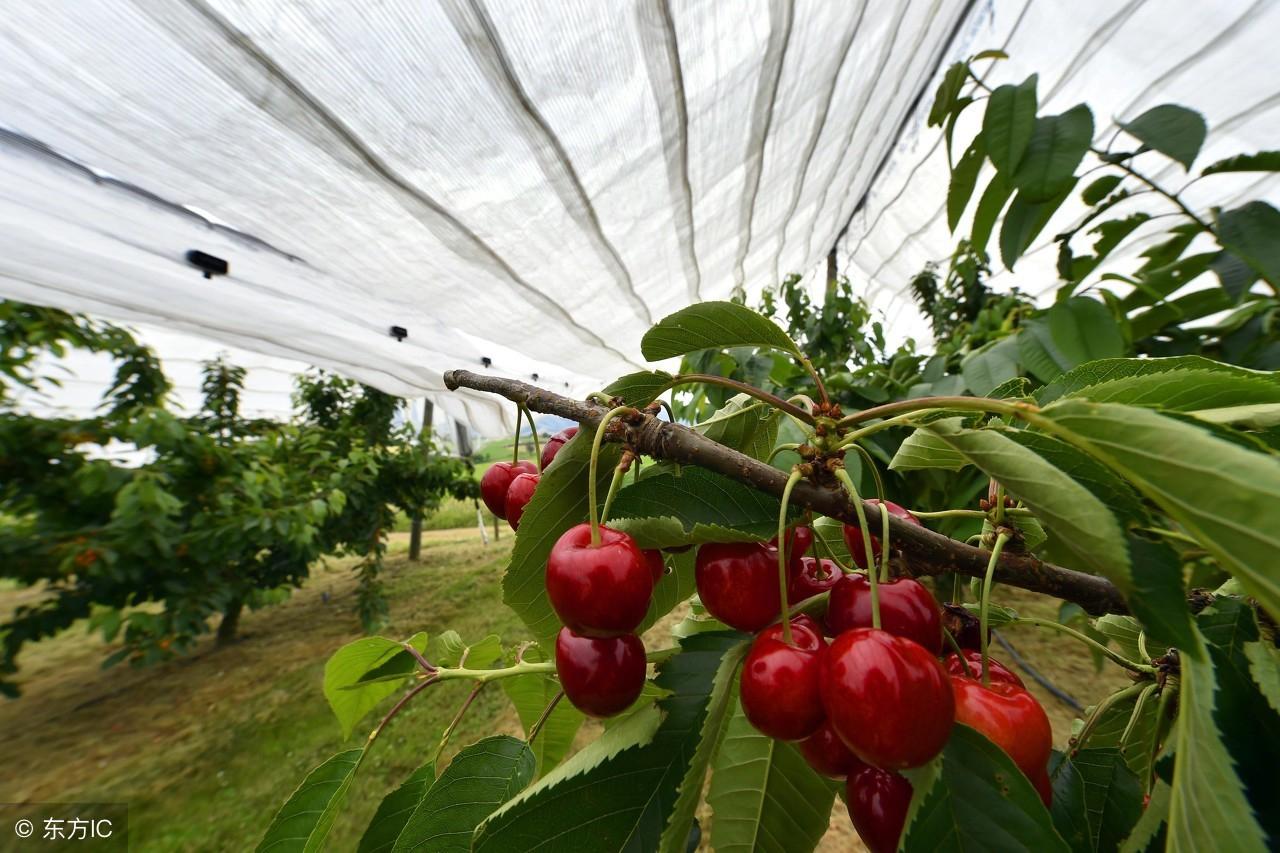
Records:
x=779, y=685
x=853, y=533
x=878, y=801
x=557, y=441
x=600, y=675
x=887, y=698
x=496, y=481
x=827, y=754
x=996, y=670
x=809, y=577
x=657, y=566
x=519, y=493
x=599, y=591
x=1044, y=787
x=1010, y=717
x=738, y=583
x=799, y=541
x=907, y=609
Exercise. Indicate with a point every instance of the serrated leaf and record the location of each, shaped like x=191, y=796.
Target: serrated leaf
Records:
x=1008, y=123
x=1068, y=808
x=712, y=325
x=449, y=649
x=1123, y=633
x=1265, y=669
x=1183, y=383
x=1068, y=335
x=977, y=801
x=1113, y=795
x=669, y=532
x=1100, y=188
x=640, y=388
x=480, y=778
x=1174, y=131
x=991, y=366
x=1118, y=496
x=394, y=811
x=764, y=796
x=530, y=694
x=1252, y=231
x=923, y=450
x=744, y=424
x=1262, y=161
x=1149, y=832
x=349, y=699
x=696, y=497
x=1109, y=729
x=306, y=817
x=963, y=179
x=1058, y=143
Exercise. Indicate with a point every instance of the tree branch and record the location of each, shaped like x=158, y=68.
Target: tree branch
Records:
x=929, y=553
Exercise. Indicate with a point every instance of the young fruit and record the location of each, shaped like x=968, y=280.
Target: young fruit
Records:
x=600, y=675
x=853, y=533
x=738, y=583
x=887, y=697
x=496, y=481
x=599, y=591
x=557, y=441
x=907, y=609
x=519, y=493
x=657, y=566
x=1011, y=718
x=827, y=754
x=996, y=670
x=878, y=801
x=810, y=576
x=779, y=685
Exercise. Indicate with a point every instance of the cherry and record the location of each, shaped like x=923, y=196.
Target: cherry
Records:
x=853, y=533
x=878, y=801
x=779, y=685
x=887, y=697
x=598, y=591
x=809, y=577
x=738, y=583
x=519, y=493
x=1044, y=787
x=1010, y=717
x=907, y=609
x=995, y=670
x=600, y=675
x=557, y=441
x=496, y=481
x=657, y=565
x=799, y=541
x=827, y=754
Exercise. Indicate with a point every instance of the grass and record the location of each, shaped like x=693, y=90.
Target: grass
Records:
x=205, y=749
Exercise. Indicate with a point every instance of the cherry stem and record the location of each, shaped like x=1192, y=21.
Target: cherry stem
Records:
x=457, y=718
x=1110, y=653
x=900, y=420
x=971, y=404
x=546, y=715
x=404, y=700
x=1101, y=709
x=515, y=443
x=1136, y=715
x=619, y=473
x=780, y=449
x=426, y=665
x=985, y=611
x=782, y=553
x=970, y=513
x=955, y=647
x=772, y=399
x=843, y=476
x=593, y=508
x=830, y=552
x=817, y=380
x=533, y=430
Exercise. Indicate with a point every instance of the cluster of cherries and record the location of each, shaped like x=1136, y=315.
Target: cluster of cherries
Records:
x=507, y=487
x=872, y=701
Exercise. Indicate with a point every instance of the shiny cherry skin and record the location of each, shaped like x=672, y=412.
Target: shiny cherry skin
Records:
x=496, y=481
x=657, y=565
x=878, y=801
x=519, y=493
x=907, y=609
x=553, y=445
x=853, y=533
x=601, y=676
x=779, y=683
x=738, y=583
x=887, y=697
x=810, y=576
x=827, y=754
x=1009, y=717
x=799, y=541
x=598, y=591
x=996, y=670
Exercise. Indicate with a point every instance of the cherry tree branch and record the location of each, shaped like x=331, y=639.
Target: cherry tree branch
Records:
x=928, y=553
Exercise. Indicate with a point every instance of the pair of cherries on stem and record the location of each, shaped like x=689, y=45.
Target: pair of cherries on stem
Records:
x=507, y=487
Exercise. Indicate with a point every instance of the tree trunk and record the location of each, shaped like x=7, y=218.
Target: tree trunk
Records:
x=230, y=622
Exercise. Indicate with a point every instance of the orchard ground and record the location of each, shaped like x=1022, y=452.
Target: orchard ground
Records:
x=206, y=748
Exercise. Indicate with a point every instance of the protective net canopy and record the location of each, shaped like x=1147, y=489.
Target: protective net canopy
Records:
x=529, y=185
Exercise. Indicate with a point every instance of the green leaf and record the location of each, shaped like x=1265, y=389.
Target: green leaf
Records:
x=1118, y=496
x=480, y=778
x=1066, y=508
x=1100, y=188
x=712, y=325
x=1174, y=131
x=394, y=811
x=1069, y=810
x=990, y=54
x=1252, y=231
x=744, y=424
x=1149, y=832
x=990, y=205
x=764, y=796
x=675, y=587
x=1058, y=144
x=1067, y=335
x=922, y=450
x=379, y=657
x=978, y=800
x=448, y=649
x=1113, y=795
x=640, y=388
x=1008, y=123
x=624, y=798
x=990, y=366
x=1025, y=219
x=1234, y=274
x=963, y=179
x=1183, y=383
x=694, y=497
x=944, y=100
x=1222, y=494
x=530, y=694
x=1262, y=161
x=305, y=819
x=1265, y=669
x=1191, y=306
